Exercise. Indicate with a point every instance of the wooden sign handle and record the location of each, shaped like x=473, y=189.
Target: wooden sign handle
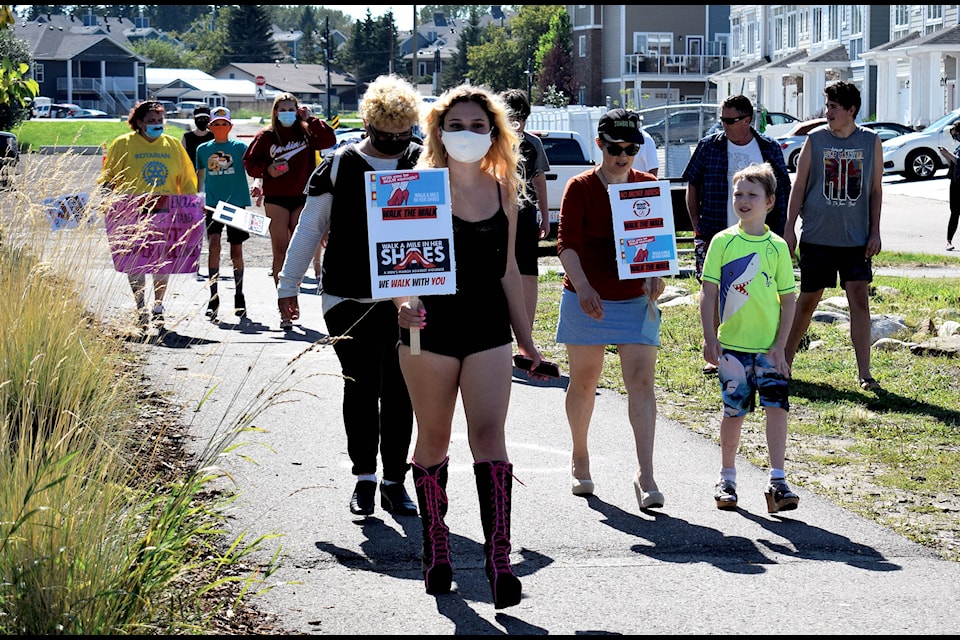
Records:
x=414, y=331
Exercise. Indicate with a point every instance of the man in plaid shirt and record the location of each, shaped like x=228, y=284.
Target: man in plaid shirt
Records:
x=712, y=166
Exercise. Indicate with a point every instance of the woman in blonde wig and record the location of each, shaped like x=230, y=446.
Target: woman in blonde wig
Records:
x=465, y=338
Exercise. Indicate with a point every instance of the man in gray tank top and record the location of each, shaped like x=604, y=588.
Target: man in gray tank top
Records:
x=837, y=193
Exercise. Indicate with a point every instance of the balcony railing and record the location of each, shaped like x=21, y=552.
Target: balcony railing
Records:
x=636, y=63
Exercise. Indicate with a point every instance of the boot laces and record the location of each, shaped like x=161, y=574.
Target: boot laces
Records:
x=438, y=531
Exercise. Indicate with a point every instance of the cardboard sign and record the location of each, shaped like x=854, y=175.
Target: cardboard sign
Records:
x=155, y=234
x=643, y=228
x=243, y=219
x=410, y=233
x=66, y=212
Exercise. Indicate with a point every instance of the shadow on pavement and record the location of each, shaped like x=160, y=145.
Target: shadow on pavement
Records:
x=676, y=540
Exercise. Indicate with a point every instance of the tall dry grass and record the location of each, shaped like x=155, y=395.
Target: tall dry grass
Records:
x=94, y=538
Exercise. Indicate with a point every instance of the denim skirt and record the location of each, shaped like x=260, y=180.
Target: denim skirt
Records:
x=633, y=321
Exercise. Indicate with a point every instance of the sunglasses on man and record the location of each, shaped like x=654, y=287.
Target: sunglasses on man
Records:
x=616, y=150
x=733, y=120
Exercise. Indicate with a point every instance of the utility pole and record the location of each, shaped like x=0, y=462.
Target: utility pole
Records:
x=326, y=59
x=416, y=45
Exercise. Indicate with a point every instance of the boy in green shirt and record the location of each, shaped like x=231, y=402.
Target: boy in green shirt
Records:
x=748, y=270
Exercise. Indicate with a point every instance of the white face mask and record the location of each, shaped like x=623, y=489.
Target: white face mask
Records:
x=466, y=146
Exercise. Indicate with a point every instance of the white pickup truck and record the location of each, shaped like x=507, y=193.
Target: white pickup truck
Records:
x=569, y=155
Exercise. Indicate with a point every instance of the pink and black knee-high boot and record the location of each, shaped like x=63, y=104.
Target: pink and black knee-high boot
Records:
x=432, y=497
x=494, y=488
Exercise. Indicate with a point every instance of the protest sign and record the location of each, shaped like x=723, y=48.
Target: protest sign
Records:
x=410, y=233
x=155, y=234
x=240, y=218
x=643, y=229
x=66, y=212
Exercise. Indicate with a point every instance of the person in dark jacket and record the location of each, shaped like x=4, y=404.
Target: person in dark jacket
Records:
x=377, y=414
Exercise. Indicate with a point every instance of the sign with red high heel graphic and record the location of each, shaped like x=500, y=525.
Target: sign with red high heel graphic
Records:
x=410, y=233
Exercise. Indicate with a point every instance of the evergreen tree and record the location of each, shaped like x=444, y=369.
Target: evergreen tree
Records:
x=248, y=35
x=309, y=49
x=456, y=70
x=372, y=47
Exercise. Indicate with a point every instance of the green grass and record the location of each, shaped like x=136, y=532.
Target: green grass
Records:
x=34, y=134
x=100, y=534
x=903, y=441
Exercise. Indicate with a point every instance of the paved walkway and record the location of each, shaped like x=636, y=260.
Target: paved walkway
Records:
x=588, y=565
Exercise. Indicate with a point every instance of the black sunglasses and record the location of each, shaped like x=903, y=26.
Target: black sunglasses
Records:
x=732, y=120
x=406, y=135
x=615, y=149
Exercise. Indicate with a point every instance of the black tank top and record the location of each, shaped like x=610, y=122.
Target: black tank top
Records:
x=481, y=250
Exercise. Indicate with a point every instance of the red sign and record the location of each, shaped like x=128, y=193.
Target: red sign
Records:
x=260, y=81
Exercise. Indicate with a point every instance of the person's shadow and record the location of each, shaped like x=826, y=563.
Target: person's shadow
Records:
x=387, y=551
x=676, y=540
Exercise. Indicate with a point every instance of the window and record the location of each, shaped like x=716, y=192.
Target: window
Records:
x=582, y=45
x=38, y=71
x=901, y=20
x=932, y=18
x=653, y=44
x=816, y=25
x=856, y=20
x=833, y=22
x=792, y=30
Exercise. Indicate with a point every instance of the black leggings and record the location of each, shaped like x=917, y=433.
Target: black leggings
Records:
x=376, y=406
x=954, y=208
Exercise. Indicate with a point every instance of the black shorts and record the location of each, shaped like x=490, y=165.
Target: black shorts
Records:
x=234, y=235
x=290, y=203
x=820, y=264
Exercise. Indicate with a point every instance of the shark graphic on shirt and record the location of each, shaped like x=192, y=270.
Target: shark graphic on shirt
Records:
x=735, y=276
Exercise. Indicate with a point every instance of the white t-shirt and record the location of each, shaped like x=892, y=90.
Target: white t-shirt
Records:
x=647, y=159
x=739, y=157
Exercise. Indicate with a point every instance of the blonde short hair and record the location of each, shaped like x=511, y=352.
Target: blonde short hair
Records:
x=390, y=102
x=759, y=173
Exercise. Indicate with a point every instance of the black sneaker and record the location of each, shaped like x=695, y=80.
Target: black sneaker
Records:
x=395, y=499
x=780, y=497
x=726, y=495
x=361, y=502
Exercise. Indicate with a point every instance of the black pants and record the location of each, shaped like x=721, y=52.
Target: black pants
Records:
x=954, y=207
x=377, y=414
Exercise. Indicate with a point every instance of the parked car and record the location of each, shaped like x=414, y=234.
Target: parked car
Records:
x=682, y=126
x=63, y=110
x=915, y=155
x=170, y=109
x=888, y=130
x=791, y=143
x=89, y=113
x=185, y=108
x=778, y=123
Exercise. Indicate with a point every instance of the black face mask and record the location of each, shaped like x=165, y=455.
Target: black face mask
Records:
x=201, y=121
x=387, y=146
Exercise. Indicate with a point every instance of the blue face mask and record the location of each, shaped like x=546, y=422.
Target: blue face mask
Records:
x=154, y=130
x=287, y=118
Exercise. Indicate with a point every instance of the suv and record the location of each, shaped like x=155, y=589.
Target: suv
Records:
x=185, y=109
x=916, y=156
x=170, y=109
x=684, y=126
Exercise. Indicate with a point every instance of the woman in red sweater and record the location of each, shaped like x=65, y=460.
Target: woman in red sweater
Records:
x=283, y=155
